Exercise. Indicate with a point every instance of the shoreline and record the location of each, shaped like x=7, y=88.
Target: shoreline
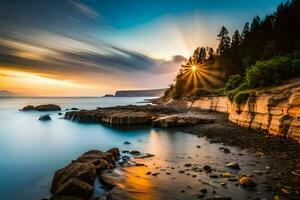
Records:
x=257, y=143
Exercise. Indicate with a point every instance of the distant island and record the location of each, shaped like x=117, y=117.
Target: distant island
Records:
x=138, y=93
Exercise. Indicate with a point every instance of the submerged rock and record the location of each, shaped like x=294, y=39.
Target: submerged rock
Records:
x=126, y=142
x=44, y=118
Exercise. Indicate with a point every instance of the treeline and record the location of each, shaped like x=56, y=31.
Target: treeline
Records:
x=275, y=35
x=265, y=52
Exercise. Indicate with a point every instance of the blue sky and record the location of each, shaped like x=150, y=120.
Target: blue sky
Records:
x=91, y=42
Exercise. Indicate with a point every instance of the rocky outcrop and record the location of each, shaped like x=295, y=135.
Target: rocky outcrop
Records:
x=212, y=103
x=45, y=107
x=276, y=110
x=76, y=180
x=158, y=116
x=179, y=121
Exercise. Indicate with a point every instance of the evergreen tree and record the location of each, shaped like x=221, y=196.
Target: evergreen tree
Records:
x=211, y=54
x=245, y=32
x=236, y=39
x=224, y=40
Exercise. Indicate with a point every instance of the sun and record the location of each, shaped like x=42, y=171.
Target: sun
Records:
x=194, y=68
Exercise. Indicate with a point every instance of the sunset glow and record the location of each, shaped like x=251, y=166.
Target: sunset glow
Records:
x=81, y=47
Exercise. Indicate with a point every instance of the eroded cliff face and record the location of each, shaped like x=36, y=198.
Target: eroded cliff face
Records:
x=276, y=110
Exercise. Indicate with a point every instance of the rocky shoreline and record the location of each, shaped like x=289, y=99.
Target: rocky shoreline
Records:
x=156, y=116
x=214, y=126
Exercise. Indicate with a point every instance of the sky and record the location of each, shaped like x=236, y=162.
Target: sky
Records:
x=95, y=47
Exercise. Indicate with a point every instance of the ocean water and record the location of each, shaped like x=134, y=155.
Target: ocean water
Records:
x=31, y=151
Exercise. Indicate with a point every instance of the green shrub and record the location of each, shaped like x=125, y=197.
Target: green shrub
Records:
x=199, y=92
x=242, y=96
x=233, y=82
x=219, y=91
x=269, y=72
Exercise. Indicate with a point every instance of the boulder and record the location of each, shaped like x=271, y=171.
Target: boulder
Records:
x=83, y=171
x=77, y=179
x=28, y=108
x=47, y=107
x=44, y=118
x=77, y=188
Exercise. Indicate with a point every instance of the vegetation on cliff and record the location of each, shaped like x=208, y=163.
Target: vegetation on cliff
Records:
x=266, y=53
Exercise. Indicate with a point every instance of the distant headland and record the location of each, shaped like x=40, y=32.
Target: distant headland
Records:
x=138, y=93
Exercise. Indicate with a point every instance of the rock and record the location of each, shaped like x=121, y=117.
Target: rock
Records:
x=188, y=165
x=82, y=171
x=213, y=176
x=74, y=109
x=207, y=168
x=203, y=190
x=44, y=118
x=135, y=152
x=227, y=175
x=247, y=182
x=47, y=107
x=77, y=188
x=233, y=165
x=77, y=178
x=28, y=108
x=147, y=155
x=149, y=173
x=126, y=142
x=59, y=113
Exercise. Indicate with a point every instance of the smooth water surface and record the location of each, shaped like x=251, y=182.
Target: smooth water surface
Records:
x=31, y=150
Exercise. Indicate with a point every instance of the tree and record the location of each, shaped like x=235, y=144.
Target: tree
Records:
x=202, y=55
x=224, y=40
x=255, y=24
x=245, y=31
x=211, y=54
x=236, y=39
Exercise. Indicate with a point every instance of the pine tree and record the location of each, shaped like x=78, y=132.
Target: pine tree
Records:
x=211, y=54
x=236, y=39
x=245, y=32
x=224, y=41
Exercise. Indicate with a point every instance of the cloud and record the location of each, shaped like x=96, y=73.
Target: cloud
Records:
x=95, y=59
x=85, y=9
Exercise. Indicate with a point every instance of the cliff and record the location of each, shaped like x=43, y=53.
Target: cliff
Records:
x=276, y=110
x=140, y=93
